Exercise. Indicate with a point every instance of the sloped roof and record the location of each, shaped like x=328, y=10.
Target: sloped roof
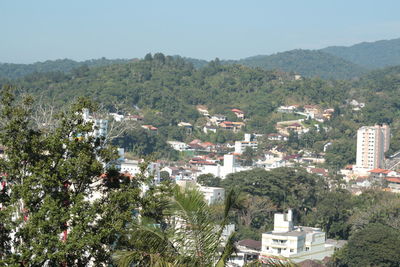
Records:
x=378, y=170
x=250, y=243
x=393, y=179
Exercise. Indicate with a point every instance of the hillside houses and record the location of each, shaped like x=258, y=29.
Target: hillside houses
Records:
x=203, y=110
x=232, y=125
x=287, y=109
x=239, y=113
x=217, y=119
x=150, y=128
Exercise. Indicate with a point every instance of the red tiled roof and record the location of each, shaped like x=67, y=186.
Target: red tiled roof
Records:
x=150, y=127
x=236, y=110
x=195, y=142
x=319, y=171
x=207, y=144
x=393, y=179
x=379, y=171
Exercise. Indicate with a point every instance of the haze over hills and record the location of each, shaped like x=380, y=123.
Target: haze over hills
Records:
x=370, y=55
x=13, y=71
x=335, y=62
x=310, y=63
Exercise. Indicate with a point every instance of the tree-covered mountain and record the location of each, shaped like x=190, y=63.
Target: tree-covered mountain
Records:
x=197, y=63
x=171, y=88
x=13, y=71
x=308, y=63
x=370, y=55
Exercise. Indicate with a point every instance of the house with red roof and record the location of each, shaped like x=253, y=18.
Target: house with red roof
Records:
x=379, y=173
x=232, y=125
x=239, y=113
x=393, y=184
x=150, y=128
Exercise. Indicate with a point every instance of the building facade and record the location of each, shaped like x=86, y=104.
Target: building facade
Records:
x=298, y=243
x=372, y=143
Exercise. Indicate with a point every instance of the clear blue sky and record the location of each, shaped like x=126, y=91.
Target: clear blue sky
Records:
x=37, y=30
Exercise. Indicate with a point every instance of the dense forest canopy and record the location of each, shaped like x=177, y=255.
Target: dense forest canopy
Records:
x=335, y=62
x=370, y=55
x=167, y=89
x=14, y=71
x=309, y=63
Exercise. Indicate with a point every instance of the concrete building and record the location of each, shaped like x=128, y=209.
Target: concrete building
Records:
x=230, y=166
x=212, y=195
x=247, y=251
x=372, y=143
x=298, y=243
x=100, y=126
x=132, y=167
x=240, y=146
x=393, y=183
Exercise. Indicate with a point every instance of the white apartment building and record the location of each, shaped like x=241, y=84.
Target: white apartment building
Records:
x=100, y=126
x=230, y=166
x=240, y=146
x=372, y=143
x=298, y=243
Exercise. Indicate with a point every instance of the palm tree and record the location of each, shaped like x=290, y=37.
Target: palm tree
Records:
x=191, y=237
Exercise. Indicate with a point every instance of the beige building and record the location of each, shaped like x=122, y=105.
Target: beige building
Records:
x=372, y=143
x=298, y=243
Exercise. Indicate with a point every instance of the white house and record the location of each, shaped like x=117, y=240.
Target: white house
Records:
x=286, y=109
x=212, y=195
x=271, y=163
x=117, y=117
x=247, y=251
x=133, y=168
x=298, y=243
x=217, y=119
x=179, y=146
x=207, y=129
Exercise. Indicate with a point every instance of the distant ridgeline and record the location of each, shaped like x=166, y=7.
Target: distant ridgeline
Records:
x=335, y=62
x=14, y=71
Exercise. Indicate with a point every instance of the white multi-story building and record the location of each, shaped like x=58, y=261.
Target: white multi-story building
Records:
x=372, y=143
x=100, y=126
x=298, y=243
x=230, y=166
x=240, y=146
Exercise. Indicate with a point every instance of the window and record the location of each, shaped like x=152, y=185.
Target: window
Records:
x=291, y=250
x=307, y=248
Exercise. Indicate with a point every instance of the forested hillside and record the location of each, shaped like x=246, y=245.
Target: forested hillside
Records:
x=171, y=87
x=335, y=62
x=308, y=63
x=13, y=71
x=369, y=55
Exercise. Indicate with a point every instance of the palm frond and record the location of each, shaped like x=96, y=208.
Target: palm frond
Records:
x=229, y=249
x=275, y=261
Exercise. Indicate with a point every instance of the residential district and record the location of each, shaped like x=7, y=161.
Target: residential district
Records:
x=298, y=243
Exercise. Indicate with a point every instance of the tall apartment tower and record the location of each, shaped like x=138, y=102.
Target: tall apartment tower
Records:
x=372, y=143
